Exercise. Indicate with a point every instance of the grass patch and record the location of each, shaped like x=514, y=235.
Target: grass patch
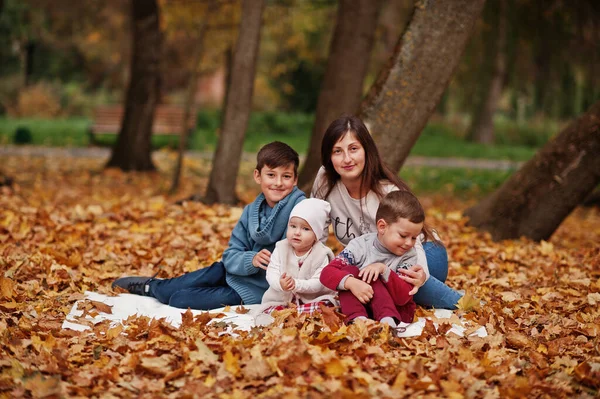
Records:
x=70, y=132
x=437, y=140
x=471, y=183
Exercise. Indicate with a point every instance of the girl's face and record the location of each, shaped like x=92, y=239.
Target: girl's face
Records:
x=300, y=235
x=398, y=237
x=348, y=157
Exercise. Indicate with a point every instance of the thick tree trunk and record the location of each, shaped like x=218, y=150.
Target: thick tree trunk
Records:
x=342, y=86
x=482, y=128
x=408, y=89
x=537, y=198
x=132, y=151
x=226, y=162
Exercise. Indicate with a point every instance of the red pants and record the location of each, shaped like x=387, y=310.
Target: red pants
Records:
x=390, y=299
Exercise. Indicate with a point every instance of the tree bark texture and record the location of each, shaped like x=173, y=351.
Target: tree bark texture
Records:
x=537, y=198
x=226, y=162
x=407, y=90
x=482, y=128
x=133, y=148
x=347, y=65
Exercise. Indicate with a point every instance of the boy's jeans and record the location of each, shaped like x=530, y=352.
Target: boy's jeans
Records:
x=203, y=289
x=434, y=293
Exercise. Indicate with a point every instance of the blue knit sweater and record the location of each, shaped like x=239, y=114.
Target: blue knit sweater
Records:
x=248, y=238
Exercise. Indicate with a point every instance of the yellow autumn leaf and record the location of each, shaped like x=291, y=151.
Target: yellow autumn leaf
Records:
x=546, y=248
x=468, y=302
x=231, y=363
x=335, y=368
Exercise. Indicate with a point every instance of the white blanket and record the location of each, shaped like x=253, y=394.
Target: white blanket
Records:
x=125, y=305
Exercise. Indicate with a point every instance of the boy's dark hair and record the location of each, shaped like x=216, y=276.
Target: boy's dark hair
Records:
x=402, y=205
x=277, y=154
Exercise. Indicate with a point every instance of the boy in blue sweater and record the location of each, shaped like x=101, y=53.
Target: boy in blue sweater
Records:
x=240, y=277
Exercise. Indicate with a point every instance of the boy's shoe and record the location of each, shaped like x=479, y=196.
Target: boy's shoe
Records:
x=135, y=285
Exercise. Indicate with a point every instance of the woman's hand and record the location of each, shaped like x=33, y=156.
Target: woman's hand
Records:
x=415, y=276
x=372, y=272
x=261, y=259
x=287, y=282
x=360, y=289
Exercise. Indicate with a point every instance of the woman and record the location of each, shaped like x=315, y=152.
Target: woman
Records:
x=353, y=180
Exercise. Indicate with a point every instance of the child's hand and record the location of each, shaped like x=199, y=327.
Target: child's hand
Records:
x=415, y=276
x=360, y=289
x=287, y=282
x=262, y=259
x=372, y=272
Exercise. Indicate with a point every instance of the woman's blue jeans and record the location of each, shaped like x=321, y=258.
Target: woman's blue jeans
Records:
x=203, y=289
x=434, y=293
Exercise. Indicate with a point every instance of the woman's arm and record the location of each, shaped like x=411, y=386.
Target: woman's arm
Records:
x=421, y=257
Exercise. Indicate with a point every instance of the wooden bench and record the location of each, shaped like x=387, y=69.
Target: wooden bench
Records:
x=168, y=120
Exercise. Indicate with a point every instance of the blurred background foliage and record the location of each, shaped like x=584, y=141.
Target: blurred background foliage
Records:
x=62, y=58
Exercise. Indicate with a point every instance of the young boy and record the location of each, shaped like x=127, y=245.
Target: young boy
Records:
x=297, y=261
x=241, y=275
x=356, y=270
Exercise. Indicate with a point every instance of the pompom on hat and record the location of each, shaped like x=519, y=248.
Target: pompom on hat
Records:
x=316, y=213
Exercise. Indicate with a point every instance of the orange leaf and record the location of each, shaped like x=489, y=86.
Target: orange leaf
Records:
x=41, y=387
x=588, y=372
x=6, y=287
x=102, y=307
x=330, y=317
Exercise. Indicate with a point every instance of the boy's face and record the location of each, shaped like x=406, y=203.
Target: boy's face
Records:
x=276, y=183
x=398, y=237
x=300, y=235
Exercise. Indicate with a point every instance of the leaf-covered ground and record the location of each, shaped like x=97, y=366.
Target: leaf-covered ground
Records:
x=67, y=227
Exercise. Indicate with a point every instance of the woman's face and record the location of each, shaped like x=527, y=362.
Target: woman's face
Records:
x=348, y=157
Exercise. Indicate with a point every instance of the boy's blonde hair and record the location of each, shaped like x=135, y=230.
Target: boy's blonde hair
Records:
x=277, y=154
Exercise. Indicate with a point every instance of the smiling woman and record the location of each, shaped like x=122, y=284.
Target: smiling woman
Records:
x=354, y=179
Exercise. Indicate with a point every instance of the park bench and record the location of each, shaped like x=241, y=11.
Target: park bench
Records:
x=168, y=120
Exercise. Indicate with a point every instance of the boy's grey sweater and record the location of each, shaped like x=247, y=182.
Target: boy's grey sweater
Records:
x=250, y=235
x=367, y=249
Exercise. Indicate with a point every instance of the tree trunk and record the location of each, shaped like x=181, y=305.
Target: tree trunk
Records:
x=226, y=162
x=408, y=89
x=342, y=86
x=536, y=199
x=482, y=128
x=132, y=151
x=189, y=106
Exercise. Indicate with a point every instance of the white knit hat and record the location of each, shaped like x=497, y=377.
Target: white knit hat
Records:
x=316, y=213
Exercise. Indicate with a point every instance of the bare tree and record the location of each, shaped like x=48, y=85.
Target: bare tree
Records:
x=189, y=105
x=132, y=151
x=407, y=90
x=347, y=65
x=226, y=162
x=537, y=198
x=482, y=128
